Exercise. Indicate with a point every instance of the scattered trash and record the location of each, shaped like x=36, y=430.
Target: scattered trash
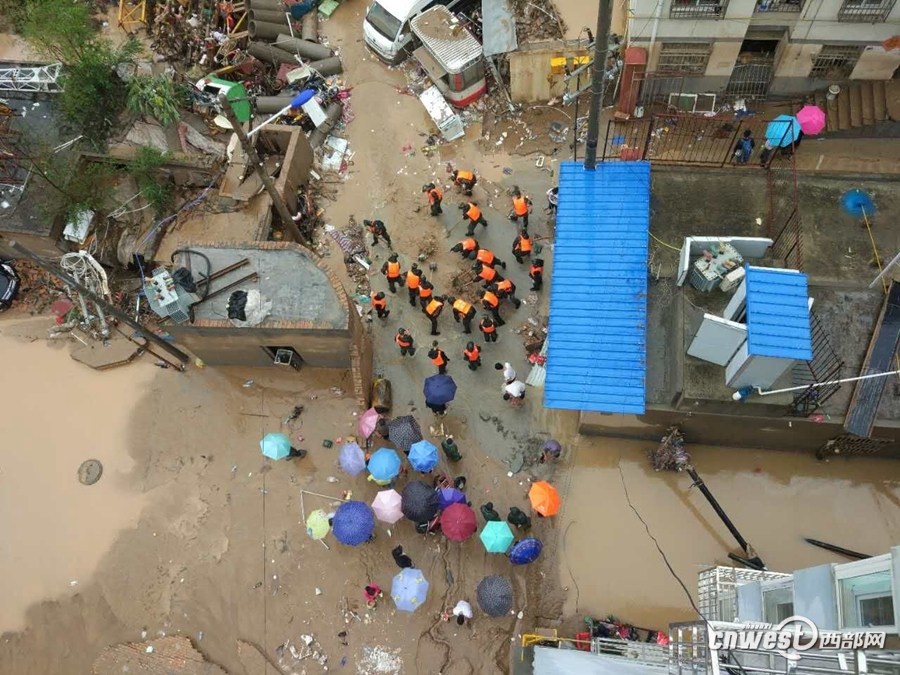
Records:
x=248, y=383
x=318, y=591
x=74, y=582
x=149, y=649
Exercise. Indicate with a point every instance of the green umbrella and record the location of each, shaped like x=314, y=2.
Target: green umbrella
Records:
x=317, y=524
x=497, y=537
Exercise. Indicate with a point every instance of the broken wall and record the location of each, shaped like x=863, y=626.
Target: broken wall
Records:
x=533, y=78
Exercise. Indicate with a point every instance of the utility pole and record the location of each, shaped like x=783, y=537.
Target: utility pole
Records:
x=598, y=82
x=253, y=158
x=112, y=311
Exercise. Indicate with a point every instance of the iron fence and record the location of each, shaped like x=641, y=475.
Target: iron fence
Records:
x=826, y=366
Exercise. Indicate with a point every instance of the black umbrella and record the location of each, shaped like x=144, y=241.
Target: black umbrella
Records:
x=419, y=502
x=495, y=595
x=404, y=431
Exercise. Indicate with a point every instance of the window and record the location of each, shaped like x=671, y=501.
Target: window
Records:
x=835, y=62
x=865, y=11
x=683, y=57
x=778, y=6
x=698, y=9
x=778, y=604
x=865, y=600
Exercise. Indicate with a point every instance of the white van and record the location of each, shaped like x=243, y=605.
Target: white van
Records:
x=386, y=26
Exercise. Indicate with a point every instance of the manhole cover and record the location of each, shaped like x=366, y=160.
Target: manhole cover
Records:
x=90, y=471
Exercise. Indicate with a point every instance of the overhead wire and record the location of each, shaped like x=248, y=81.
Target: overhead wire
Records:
x=660, y=241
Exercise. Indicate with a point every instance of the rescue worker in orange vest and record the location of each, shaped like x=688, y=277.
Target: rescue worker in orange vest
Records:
x=522, y=246
x=426, y=291
x=487, y=257
x=506, y=290
x=435, y=195
x=438, y=358
x=536, y=272
x=391, y=272
x=472, y=355
x=491, y=303
x=463, y=311
x=486, y=274
x=467, y=248
x=464, y=180
x=377, y=228
x=433, y=310
x=405, y=341
x=488, y=328
x=413, y=278
x=473, y=214
x=379, y=304
x=521, y=207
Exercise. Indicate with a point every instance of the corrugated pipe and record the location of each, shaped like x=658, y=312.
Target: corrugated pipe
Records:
x=332, y=115
x=326, y=67
x=263, y=30
x=308, y=50
x=271, y=54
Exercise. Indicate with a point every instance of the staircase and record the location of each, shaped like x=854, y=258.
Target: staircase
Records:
x=861, y=103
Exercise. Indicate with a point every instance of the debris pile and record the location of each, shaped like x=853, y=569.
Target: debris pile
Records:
x=670, y=455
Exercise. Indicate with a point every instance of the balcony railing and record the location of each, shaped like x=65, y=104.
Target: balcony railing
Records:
x=865, y=11
x=766, y=6
x=698, y=9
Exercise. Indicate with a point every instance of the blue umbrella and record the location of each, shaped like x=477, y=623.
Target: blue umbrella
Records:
x=525, y=551
x=275, y=446
x=857, y=203
x=439, y=389
x=384, y=464
x=409, y=589
x=423, y=456
x=354, y=523
x=448, y=496
x=352, y=459
x=783, y=130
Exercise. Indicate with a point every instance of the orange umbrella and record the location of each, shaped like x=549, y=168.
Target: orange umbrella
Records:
x=544, y=498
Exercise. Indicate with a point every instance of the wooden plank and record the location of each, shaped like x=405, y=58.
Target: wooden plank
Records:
x=868, y=103
x=855, y=105
x=879, y=101
x=843, y=105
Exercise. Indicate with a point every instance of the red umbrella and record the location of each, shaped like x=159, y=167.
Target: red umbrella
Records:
x=458, y=522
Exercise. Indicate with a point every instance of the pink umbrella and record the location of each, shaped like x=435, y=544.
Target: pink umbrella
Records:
x=812, y=119
x=367, y=422
x=386, y=506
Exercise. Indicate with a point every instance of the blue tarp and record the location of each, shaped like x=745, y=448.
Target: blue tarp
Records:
x=778, y=313
x=598, y=300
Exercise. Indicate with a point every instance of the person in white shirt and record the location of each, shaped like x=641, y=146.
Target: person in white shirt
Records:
x=509, y=373
x=552, y=199
x=462, y=612
x=514, y=390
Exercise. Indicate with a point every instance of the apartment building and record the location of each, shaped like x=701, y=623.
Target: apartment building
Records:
x=759, y=48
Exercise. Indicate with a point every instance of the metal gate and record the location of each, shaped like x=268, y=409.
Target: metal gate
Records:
x=751, y=80
x=825, y=366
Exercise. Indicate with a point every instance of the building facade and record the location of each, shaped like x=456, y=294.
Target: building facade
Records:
x=755, y=48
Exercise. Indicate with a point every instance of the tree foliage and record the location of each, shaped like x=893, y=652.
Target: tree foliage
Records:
x=61, y=29
x=155, y=188
x=153, y=95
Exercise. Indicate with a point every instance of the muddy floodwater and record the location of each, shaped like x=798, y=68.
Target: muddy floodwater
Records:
x=610, y=564
x=55, y=416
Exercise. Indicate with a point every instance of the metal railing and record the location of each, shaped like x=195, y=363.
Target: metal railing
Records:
x=17, y=78
x=825, y=366
x=698, y=9
x=865, y=11
x=766, y=6
x=716, y=589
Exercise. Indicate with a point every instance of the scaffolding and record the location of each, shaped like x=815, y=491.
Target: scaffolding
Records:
x=30, y=79
x=716, y=589
x=132, y=15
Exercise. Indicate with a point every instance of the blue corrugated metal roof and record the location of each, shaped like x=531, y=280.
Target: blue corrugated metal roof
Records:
x=598, y=297
x=778, y=313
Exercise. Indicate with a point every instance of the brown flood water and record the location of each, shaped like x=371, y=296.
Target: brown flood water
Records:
x=610, y=565
x=56, y=414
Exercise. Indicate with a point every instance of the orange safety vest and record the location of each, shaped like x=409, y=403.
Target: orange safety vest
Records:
x=412, y=280
x=486, y=257
x=393, y=270
x=487, y=273
x=468, y=244
x=464, y=175
x=424, y=292
x=474, y=213
x=403, y=340
x=520, y=206
x=490, y=299
x=433, y=306
x=462, y=307
x=440, y=359
x=487, y=329
x=435, y=194
x=505, y=285
x=524, y=244
x=379, y=304
x=472, y=356
x=535, y=269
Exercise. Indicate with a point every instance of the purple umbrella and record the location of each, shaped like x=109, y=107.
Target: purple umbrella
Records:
x=448, y=496
x=352, y=459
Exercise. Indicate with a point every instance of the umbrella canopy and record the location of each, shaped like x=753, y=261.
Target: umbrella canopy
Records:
x=439, y=389
x=811, y=119
x=352, y=459
x=495, y=595
x=423, y=456
x=354, y=523
x=544, y=498
x=448, y=496
x=458, y=522
x=525, y=551
x=384, y=464
x=275, y=446
x=420, y=502
x=782, y=131
x=409, y=589
x=367, y=422
x=317, y=524
x=386, y=506
x=404, y=431
x=496, y=536
x=858, y=203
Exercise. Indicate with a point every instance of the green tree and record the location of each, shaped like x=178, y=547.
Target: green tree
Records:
x=153, y=95
x=61, y=29
x=153, y=184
